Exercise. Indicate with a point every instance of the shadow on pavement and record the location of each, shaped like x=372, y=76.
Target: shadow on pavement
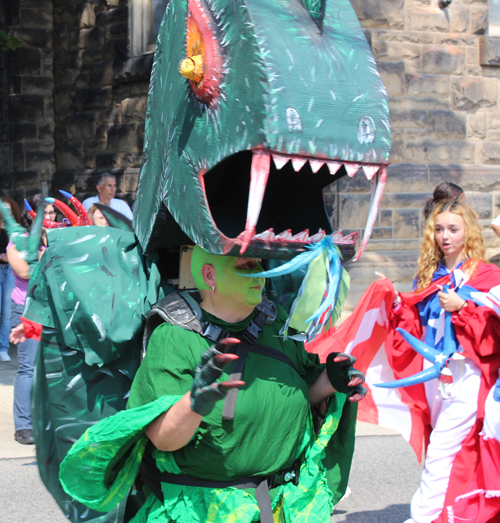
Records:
x=391, y=514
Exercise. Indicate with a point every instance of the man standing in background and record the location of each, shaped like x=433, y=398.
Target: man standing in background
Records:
x=106, y=189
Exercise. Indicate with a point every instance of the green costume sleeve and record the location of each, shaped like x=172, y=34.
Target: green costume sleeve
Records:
x=168, y=367
x=101, y=467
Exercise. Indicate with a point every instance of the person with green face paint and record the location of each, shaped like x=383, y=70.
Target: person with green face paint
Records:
x=222, y=429
x=273, y=408
x=233, y=295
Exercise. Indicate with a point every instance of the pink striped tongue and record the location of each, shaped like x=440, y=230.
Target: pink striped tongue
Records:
x=261, y=163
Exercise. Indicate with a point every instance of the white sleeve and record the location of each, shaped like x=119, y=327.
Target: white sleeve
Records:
x=496, y=221
x=124, y=209
x=87, y=204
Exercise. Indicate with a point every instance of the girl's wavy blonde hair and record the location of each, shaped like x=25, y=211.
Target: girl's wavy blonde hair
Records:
x=431, y=254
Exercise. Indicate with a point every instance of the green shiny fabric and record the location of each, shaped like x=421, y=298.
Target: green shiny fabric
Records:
x=101, y=467
x=90, y=292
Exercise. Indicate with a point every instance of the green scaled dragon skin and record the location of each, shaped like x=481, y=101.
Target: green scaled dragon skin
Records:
x=90, y=292
x=293, y=80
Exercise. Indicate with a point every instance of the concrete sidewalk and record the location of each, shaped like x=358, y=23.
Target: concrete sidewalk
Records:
x=9, y=447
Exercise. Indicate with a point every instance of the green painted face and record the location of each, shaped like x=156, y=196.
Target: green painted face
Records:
x=290, y=101
x=232, y=287
x=238, y=289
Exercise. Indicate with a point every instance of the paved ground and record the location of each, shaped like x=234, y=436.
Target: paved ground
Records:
x=385, y=473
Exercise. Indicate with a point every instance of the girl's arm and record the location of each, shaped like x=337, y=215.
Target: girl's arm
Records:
x=18, y=264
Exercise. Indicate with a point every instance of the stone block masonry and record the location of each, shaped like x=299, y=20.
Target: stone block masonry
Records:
x=74, y=100
x=100, y=93
x=73, y=103
x=441, y=72
x=26, y=106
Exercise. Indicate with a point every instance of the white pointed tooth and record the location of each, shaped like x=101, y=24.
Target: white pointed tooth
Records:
x=301, y=236
x=318, y=236
x=336, y=236
x=351, y=169
x=370, y=171
x=333, y=167
x=350, y=239
x=266, y=235
x=298, y=163
x=285, y=235
x=280, y=161
x=261, y=162
x=378, y=184
x=316, y=165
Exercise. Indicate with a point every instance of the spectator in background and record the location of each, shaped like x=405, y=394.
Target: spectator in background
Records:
x=97, y=217
x=106, y=189
x=26, y=350
x=6, y=281
x=444, y=191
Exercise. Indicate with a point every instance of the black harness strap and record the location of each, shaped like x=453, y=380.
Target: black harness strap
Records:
x=242, y=351
x=151, y=476
x=182, y=309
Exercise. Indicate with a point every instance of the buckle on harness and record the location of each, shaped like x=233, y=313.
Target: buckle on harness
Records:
x=252, y=332
x=285, y=476
x=214, y=333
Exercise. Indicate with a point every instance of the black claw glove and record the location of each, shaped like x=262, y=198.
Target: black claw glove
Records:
x=205, y=391
x=344, y=377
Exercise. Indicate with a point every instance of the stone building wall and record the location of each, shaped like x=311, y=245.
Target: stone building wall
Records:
x=73, y=103
x=72, y=100
x=100, y=95
x=26, y=107
x=443, y=85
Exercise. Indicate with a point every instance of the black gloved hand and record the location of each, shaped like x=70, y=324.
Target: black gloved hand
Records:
x=205, y=391
x=344, y=377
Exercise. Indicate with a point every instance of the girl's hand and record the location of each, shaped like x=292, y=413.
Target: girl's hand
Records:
x=450, y=301
x=17, y=334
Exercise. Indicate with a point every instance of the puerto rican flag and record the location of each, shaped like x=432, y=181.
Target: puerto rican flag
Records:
x=480, y=501
x=481, y=498
x=365, y=335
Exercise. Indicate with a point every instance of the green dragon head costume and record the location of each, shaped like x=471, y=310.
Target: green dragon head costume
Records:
x=276, y=100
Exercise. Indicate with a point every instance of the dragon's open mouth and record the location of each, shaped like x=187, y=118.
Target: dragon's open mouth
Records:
x=264, y=200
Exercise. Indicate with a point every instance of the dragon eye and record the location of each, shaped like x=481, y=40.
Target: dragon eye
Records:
x=203, y=63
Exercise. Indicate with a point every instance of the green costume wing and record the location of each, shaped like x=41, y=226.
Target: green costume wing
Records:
x=101, y=467
x=90, y=292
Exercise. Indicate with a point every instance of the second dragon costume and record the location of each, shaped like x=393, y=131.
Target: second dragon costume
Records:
x=275, y=100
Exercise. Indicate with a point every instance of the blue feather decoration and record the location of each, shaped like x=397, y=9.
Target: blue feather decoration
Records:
x=325, y=306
